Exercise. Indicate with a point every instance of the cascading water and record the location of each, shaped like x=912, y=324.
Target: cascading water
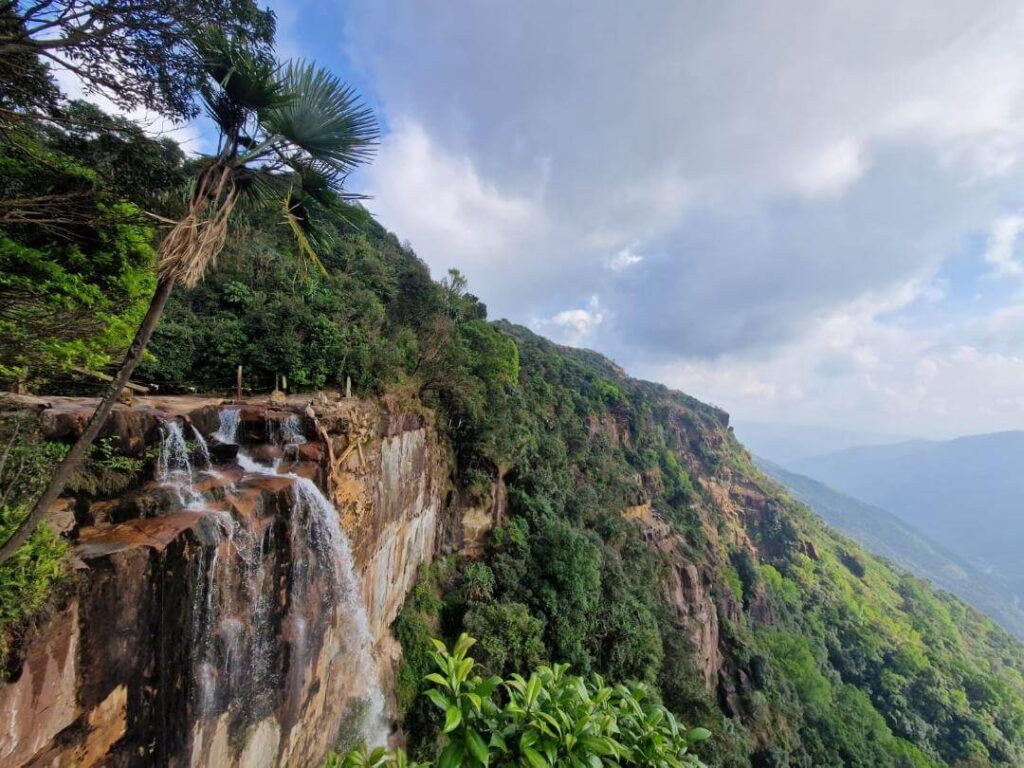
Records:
x=174, y=464
x=227, y=429
x=291, y=431
x=202, y=448
x=174, y=458
x=234, y=648
x=323, y=532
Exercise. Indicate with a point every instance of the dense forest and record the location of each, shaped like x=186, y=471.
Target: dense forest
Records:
x=814, y=653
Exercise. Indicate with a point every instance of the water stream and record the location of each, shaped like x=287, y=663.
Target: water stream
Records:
x=233, y=641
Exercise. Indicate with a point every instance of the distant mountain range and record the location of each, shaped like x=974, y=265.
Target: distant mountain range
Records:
x=965, y=494
x=785, y=443
x=886, y=535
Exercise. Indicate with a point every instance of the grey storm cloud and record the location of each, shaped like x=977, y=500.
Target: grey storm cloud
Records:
x=695, y=178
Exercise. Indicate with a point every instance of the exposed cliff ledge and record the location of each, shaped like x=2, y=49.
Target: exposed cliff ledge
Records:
x=205, y=634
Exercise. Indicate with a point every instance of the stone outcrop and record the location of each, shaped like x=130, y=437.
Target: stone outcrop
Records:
x=477, y=521
x=688, y=589
x=210, y=635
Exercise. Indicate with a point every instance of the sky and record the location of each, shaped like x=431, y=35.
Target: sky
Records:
x=809, y=213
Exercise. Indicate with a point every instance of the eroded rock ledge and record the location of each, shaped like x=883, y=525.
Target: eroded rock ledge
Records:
x=112, y=678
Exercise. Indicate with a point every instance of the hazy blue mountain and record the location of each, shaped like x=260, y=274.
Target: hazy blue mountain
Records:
x=785, y=443
x=886, y=535
x=966, y=494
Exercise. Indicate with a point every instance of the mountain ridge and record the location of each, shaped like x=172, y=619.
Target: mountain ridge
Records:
x=963, y=492
x=887, y=536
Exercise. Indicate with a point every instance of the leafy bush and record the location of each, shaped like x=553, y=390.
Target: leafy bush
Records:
x=28, y=578
x=510, y=637
x=551, y=718
x=76, y=254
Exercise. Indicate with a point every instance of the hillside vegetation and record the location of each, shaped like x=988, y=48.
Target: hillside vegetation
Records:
x=965, y=492
x=821, y=654
x=886, y=535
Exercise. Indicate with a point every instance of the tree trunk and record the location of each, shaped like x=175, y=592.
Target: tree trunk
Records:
x=78, y=451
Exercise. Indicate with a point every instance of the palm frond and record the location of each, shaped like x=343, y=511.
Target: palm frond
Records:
x=245, y=78
x=324, y=119
x=259, y=190
x=299, y=227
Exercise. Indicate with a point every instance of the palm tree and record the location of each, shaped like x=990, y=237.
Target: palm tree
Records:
x=288, y=136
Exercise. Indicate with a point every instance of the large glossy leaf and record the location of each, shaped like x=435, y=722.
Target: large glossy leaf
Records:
x=477, y=747
x=452, y=756
x=452, y=719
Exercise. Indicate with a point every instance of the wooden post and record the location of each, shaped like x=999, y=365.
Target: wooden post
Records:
x=238, y=384
x=284, y=383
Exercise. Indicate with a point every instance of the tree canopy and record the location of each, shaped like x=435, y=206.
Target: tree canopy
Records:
x=136, y=53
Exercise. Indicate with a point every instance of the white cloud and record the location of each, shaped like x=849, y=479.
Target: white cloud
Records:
x=624, y=259
x=574, y=326
x=832, y=170
x=854, y=371
x=454, y=217
x=1002, y=245
x=788, y=192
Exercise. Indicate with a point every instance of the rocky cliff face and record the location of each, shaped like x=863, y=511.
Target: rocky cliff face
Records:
x=209, y=622
x=213, y=619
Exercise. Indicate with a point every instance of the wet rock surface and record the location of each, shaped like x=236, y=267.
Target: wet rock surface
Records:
x=204, y=627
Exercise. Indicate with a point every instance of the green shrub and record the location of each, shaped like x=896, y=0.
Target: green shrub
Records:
x=552, y=718
x=27, y=579
x=510, y=638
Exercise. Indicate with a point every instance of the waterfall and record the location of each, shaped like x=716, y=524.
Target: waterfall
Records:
x=233, y=647
x=227, y=429
x=326, y=534
x=323, y=532
x=174, y=464
x=291, y=431
x=174, y=459
x=202, y=447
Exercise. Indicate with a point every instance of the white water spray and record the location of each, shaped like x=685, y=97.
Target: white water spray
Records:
x=315, y=526
x=227, y=429
x=202, y=447
x=325, y=534
x=174, y=464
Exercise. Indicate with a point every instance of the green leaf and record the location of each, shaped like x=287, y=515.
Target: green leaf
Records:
x=452, y=719
x=464, y=643
x=324, y=117
x=532, y=691
x=439, y=699
x=498, y=743
x=477, y=747
x=487, y=686
x=534, y=758
x=433, y=677
x=452, y=756
x=697, y=735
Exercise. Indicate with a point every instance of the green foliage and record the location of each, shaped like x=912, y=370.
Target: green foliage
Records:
x=75, y=264
x=375, y=758
x=828, y=657
x=510, y=637
x=28, y=578
x=135, y=54
x=106, y=472
x=551, y=718
x=259, y=309
x=880, y=669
